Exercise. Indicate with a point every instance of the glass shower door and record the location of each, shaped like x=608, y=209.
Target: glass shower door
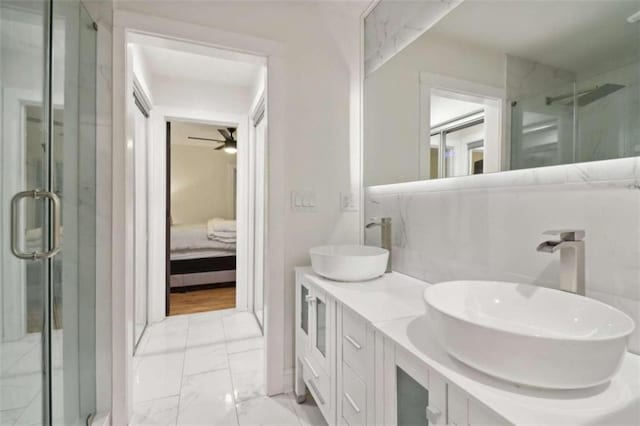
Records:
x=47, y=216
x=22, y=71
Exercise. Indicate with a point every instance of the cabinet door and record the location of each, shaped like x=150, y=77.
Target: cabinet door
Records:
x=303, y=316
x=321, y=326
x=412, y=397
x=412, y=400
x=304, y=312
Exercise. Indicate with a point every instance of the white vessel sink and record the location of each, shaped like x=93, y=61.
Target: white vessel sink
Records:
x=527, y=334
x=349, y=263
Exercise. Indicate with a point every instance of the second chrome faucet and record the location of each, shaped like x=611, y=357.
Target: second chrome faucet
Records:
x=571, y=247
x=385, y=238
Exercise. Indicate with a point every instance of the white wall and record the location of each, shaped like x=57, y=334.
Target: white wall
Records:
x=141, y=70
x=201, y=184
x=392, y=102
x=314, y=144
x=199, y=95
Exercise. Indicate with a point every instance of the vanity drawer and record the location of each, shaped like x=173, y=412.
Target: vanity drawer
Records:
x=353, y=397
x=318, y=383
x=354, y=338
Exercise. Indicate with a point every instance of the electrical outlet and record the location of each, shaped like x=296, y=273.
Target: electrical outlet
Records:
x=348, y=202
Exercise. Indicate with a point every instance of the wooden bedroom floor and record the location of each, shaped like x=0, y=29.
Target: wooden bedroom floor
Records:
x=211, y=299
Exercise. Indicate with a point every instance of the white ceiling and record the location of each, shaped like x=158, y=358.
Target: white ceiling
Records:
x=572, y=35
x=444, y=109
x=172, y=63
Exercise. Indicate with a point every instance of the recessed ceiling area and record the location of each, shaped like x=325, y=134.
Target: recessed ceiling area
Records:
x=171, y=63
x=571, y=35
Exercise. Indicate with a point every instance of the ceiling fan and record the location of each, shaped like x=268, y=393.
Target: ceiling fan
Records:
x=229, y=144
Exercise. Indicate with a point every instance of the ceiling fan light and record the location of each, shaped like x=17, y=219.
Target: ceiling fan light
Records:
x=230, y=149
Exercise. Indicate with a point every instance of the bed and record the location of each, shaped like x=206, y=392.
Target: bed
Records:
x=195, y=259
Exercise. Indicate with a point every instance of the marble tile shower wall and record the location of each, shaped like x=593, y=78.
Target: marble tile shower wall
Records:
x=445, y=230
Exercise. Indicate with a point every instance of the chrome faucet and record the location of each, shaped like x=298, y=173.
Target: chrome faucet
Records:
x=571, y=247
x=385, y=240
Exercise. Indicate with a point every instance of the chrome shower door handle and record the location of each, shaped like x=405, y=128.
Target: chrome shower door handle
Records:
x=55, y=228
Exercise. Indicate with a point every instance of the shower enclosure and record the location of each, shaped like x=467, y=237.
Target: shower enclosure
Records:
x=47, y=212
x=575, y=118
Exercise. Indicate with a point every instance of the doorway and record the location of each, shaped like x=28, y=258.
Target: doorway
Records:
x=131, y=28
x=202, y=226
x=207, y=134
x=460, y=127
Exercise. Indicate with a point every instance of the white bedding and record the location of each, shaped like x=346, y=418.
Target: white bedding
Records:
x=200, y=254
x=194, y=237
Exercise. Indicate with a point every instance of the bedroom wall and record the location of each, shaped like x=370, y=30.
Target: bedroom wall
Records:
x=201, y=177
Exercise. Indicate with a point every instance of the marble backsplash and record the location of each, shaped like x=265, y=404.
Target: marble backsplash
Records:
x=488, y=227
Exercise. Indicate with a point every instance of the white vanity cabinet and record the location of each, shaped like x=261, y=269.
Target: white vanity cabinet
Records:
x=315, y=340
x=358, y=376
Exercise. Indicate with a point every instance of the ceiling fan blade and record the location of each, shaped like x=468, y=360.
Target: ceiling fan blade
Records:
x=204, y=139
x=220, y=147
x=225, y=134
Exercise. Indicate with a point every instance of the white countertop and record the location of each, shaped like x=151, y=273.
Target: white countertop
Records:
x=386, y=298
x=394, y=305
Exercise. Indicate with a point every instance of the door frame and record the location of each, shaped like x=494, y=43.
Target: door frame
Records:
x=258, y=115
x=167, y=214
x=495, y=115
x=125, y=25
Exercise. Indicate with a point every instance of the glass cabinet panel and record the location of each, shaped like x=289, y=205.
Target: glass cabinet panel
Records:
x=321, y=327
x=304, y=309
x=412, y=400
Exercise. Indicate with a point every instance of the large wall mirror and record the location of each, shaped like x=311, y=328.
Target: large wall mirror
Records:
x=492, y=86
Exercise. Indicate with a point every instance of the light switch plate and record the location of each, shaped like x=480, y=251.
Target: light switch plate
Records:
x=348, y=202
x=303, y=201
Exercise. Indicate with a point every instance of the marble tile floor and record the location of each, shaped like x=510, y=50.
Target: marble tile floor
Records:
x=208, y=369
x=21, y=380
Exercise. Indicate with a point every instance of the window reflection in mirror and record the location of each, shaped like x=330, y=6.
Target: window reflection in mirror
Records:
x=495, y=86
